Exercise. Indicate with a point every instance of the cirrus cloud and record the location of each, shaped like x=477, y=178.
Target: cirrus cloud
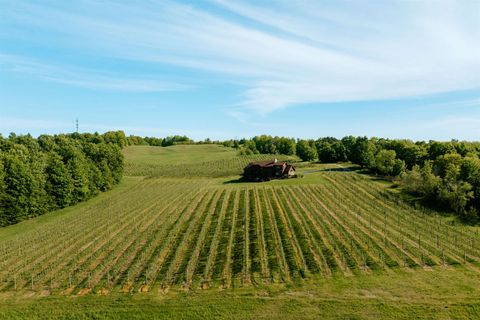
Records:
x=282, y=55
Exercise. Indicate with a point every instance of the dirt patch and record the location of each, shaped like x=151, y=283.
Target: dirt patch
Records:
x=84, y=291
x=67, y=291
x=45, y=293
x=144, y=288
x=103, y=292
x=127, y=287
x=163, y=290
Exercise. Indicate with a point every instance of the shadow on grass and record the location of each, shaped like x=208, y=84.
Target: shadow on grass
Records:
x=236, y=181
x=420, y=203
x=432, y=206
x=241, y=180
x=346, y=169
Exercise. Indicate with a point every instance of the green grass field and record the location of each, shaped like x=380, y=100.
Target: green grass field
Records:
x=334, y=243
x=189, y=161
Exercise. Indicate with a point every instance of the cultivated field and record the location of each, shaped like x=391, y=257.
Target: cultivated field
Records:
x=158, y=234
x=189, y=161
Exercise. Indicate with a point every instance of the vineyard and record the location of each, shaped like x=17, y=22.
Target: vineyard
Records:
x=159, y=234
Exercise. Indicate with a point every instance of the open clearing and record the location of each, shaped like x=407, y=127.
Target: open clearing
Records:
x=283, y=245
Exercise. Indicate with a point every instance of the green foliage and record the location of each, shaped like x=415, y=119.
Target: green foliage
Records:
x=448, y=165
x=151, y=141
x=421, y=181
x=137, y=141
x=59, y=184
x=349, y=144
x=51, y=172
x=79, y=173
x=330, y=150
x=455, y=195
x=18, y=182
x=116, y=137
x=363, y=152
x=285, y=146
x=171, y=140
x=437, y=149
x=248, y=148
x=306, y=150
x=450, y=180
x=263, y=145
x=410, y=152
x=386, y=163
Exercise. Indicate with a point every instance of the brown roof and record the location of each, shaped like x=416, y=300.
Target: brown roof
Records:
x=266, y=163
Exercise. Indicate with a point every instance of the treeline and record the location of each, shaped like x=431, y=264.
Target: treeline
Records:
x=165, y=142
x=444, y=173
x=263, y=145
x=38, y=175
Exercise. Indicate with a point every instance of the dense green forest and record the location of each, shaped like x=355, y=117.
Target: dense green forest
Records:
x=38, y=175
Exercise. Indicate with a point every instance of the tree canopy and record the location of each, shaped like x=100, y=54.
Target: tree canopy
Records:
x=52, y=172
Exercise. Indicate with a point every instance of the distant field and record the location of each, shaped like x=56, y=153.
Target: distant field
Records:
x=189, y=161
x=205, y=238
x=177, y=154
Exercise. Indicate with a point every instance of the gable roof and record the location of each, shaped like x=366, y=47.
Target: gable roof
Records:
x=266, y=163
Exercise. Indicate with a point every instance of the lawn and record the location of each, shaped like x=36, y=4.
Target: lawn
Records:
x=442, y=294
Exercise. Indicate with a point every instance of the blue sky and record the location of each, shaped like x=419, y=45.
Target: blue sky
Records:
x=227, y=69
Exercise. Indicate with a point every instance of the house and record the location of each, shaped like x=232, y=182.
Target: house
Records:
x=267, y=170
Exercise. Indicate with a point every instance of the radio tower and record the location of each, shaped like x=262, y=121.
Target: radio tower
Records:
x=76, y=124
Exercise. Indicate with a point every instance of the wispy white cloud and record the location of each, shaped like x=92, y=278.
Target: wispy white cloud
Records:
x=452, y=105
x=285, y=54
x=85, y=78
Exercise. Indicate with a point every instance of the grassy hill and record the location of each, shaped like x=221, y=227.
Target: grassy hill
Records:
x=178, y=232
x=189, y=161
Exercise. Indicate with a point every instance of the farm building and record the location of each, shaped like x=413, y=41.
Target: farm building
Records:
x=266, y=170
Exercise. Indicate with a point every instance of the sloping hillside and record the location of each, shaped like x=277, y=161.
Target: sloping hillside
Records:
x=161, y=234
